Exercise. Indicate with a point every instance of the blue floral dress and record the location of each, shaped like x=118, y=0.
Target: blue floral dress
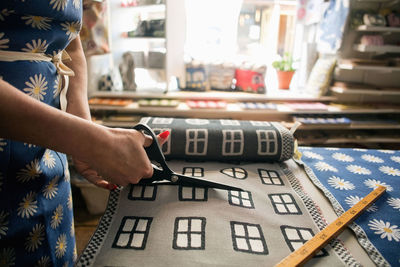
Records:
x=36, y=218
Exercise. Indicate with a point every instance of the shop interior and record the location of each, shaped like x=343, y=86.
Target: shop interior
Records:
x=332, y=66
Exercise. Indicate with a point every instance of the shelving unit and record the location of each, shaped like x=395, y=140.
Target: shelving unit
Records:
x=383, y=49
x=365, y=28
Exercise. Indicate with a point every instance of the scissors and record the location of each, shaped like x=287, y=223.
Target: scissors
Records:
x=163, y=172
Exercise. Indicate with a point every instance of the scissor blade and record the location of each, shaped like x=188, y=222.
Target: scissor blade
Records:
x=196, y=182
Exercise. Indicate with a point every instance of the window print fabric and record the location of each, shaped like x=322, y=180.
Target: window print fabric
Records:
x=36, y=219
x=346, y=176
x=184, y=226
x=224, y=140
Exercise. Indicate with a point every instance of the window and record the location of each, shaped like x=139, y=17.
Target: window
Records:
x=230, y=122
x=295, y=237
x=196, y=141
x=188, y=193
x=189, y=233
x=247, y=237
x=270, y=177
x=235, y=172
x=241, y=199
x=143, y=192
x=193, y=171
x=166, y=147
x=284, y=204
x=267, y=142
x=162, y=120
x=133, y=233
x=260, y=123
x=232, y=143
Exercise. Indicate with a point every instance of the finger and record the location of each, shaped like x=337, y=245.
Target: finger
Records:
x=161, y=138
x=97, y=180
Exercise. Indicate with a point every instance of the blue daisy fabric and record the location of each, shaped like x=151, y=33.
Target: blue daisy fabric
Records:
x=346, y=176
x=36, y=217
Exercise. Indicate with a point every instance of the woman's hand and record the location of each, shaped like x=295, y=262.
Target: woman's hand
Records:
x=125, y=162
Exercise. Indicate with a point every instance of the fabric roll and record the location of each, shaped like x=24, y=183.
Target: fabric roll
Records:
x=224, y=140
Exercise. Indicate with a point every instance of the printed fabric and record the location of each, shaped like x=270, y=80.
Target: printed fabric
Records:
x=346, y=176
x=36, y=219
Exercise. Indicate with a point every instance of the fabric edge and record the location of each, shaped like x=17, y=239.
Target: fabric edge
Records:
x=318, y=218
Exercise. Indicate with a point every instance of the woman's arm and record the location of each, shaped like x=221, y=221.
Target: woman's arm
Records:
x=117, y=154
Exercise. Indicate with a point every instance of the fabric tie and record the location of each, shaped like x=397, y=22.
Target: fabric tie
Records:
x=63, y=70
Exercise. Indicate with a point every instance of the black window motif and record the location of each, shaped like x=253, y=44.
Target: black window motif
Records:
x=295, y=237
x=189, y=233
x=235, y=172
x=133, y=233
x=284, y=204
x=241, y=199
x=143, y=192
x=247, y=237
x=193, y=171
x=270, y=177
x=189, y=193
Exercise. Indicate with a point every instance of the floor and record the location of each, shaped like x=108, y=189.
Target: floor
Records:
x=85, y=223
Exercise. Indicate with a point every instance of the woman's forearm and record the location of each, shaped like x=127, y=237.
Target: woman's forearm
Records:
x=25, y=119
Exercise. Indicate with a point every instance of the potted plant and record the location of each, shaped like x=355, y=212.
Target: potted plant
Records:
x=285, y=70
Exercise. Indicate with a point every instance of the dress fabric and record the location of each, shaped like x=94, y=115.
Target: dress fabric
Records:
x=36, y=216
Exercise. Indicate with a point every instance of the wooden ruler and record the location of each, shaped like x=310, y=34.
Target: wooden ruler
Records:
x=312, y=246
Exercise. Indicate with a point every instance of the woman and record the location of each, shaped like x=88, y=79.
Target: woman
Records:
x=36, y=220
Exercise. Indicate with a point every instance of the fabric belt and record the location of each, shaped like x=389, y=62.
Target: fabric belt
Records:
x=62, y=70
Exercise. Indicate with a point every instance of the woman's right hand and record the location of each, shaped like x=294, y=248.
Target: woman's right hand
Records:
x=122, y=159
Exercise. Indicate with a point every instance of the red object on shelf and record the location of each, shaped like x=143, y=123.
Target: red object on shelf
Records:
x=212, y=104
x=250, y=81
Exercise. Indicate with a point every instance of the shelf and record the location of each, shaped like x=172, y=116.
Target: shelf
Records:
x=377, y=49
x=361, y=140
x=365, y=28
x=372, y=92
x=368, y=67
x=212, y=95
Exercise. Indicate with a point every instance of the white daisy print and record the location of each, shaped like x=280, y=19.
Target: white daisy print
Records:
x=390, y=170
x=50, y=190
x=358, y=169
x=7, y=257
x=394, y=202
x=57, y=87
x=31, y=171
x=36, y=87
x=372, y=183
x=3, y=41
x=59, y=4
x=372, y=158
x=48, y=159
x=352, y=200
x=385, y=230
x=339, y=183
x=360, y=149
x=28, y=206
x=312, y=155
x=76, y=3
x=5, y=13
x=61, y=246
x=29, y=145
x=36, y=46
x=395, y=159
x=386, y=151
x=332, y=148
x=72, y=29
x=322, y=166
x=35, y=238
x=3, y=223
x=57, y=217
x=3, y=143
x=43, y=262
x=38, y=22
x=67, y=176
x=342, y=157
x=72, y=229
x=69, y=203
